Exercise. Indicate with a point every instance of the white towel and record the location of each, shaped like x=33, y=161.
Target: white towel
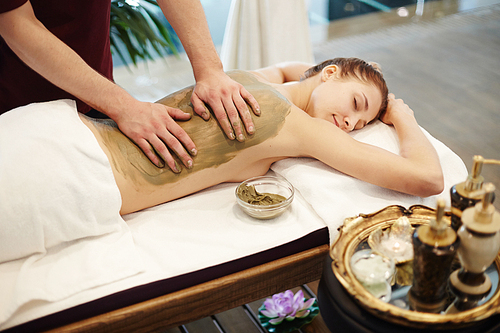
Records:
x=336, y=196
x=60, y=227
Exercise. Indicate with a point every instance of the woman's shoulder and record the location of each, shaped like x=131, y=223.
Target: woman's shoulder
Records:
x=252, y=80
x=244, y=77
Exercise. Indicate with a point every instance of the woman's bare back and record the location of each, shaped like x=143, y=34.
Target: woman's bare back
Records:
x=219, y=159
x=283, y=130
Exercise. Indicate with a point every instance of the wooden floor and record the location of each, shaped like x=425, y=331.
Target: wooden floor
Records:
x=451, y=79
x=444, y=64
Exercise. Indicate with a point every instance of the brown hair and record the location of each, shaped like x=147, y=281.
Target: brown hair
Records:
x=360, y=69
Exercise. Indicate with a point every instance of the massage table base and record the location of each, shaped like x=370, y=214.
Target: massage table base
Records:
x=209, y=298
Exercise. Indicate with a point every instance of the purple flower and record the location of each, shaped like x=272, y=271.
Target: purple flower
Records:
x=286, y=306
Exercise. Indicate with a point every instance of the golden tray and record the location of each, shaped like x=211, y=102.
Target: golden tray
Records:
x=354, y=234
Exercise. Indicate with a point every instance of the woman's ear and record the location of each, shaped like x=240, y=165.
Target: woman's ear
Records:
x=331, y=71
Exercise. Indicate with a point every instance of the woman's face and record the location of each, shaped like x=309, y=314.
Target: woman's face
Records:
x=348, y=103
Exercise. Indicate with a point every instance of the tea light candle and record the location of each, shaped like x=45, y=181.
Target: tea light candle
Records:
x=396, y=248
x=394, y=242
x=394, y=245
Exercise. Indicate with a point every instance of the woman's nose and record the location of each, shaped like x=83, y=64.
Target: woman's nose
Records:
x=348, y=123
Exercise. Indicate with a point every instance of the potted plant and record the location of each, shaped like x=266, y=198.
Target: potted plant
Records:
x=136, y=31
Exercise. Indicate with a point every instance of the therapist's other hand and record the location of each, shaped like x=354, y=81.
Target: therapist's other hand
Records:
x=228, y=100
x=152, y=127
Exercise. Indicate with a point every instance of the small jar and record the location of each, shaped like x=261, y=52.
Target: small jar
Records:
x=374, y=272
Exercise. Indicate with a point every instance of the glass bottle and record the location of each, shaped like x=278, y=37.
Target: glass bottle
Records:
x=480, y=242
x=434, y=246
x=465, y=194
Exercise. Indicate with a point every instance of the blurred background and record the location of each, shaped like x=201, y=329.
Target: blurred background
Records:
x=327, y=20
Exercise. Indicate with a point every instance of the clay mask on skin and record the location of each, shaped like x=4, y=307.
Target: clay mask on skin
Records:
x=213, y=147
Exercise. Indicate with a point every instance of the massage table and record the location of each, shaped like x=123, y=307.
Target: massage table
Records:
x=198, y=255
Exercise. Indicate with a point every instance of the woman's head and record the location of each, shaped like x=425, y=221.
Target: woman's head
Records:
x=353, y=71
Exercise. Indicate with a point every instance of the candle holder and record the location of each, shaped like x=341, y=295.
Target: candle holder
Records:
x=374, y=272
x=394, y=242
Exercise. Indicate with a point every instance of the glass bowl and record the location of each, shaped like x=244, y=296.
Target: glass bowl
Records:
x=394, y=242
x=370, y=267
x=374, y=272
x=266, y=185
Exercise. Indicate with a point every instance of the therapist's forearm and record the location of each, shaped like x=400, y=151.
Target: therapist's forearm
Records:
x=187, y=17
x=59, y=64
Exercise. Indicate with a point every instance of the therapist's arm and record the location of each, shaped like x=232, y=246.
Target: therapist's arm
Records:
x=147, y=124
x=227, y=98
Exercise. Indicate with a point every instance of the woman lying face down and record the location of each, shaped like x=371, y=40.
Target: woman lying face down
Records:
x=300, y=117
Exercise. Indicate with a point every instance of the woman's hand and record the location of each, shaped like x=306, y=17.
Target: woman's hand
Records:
x=228, y=100
x=396, y=110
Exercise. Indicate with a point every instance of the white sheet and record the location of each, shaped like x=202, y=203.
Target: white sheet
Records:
x=336, y=196
x=188, y=234
x=208, y=228
x=202, y=230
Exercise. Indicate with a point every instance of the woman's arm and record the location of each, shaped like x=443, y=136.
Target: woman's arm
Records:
x=283, y=72
x=416, y=170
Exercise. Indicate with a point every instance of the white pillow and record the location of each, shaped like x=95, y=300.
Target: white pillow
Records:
x=336, y=196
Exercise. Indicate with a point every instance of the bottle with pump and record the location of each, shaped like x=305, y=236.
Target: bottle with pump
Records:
x=434, y=245
x=480, y=242
x=465, y=195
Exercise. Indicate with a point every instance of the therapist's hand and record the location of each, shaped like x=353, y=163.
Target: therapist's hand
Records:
x=152, y=127
x=228, y=100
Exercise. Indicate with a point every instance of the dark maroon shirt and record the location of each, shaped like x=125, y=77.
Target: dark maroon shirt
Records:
x=82, y=25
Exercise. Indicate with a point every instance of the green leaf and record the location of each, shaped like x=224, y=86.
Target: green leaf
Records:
x=139, y=30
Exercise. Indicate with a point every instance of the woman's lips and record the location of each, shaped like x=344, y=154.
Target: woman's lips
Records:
x=335, y=121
